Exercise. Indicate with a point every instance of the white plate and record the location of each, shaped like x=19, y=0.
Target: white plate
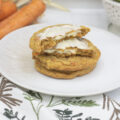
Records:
x=17, y=65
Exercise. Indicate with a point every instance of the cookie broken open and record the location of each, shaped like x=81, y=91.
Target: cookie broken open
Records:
x=60, y=51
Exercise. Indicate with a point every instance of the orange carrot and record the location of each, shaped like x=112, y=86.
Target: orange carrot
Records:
x=22, y=17
x=7, y=8
x=0, y=4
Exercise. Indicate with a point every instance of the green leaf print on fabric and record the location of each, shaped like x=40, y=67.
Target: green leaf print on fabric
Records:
x=53, y=103
x=68, y=115
x=31, y=96
x=36, y=96
x=11, y=115
x=78, y=101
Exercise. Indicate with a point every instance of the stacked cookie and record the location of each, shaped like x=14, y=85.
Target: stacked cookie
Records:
x=61, y=52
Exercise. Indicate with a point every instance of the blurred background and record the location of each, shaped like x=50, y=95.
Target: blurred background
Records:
x=104, y=14
x=88, y=12
x=97, y=13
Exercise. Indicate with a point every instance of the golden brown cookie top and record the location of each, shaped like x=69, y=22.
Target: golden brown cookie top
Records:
x=58, y=32
x=48, y=37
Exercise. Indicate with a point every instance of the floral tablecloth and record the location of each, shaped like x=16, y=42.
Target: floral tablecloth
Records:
x=20, y=104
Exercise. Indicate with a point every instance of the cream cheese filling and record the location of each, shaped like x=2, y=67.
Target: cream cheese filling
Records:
x=67, y=46
x=59, y=32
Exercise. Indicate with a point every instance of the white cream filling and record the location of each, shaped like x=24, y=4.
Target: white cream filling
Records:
x=59, y=32
x=73, y=43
